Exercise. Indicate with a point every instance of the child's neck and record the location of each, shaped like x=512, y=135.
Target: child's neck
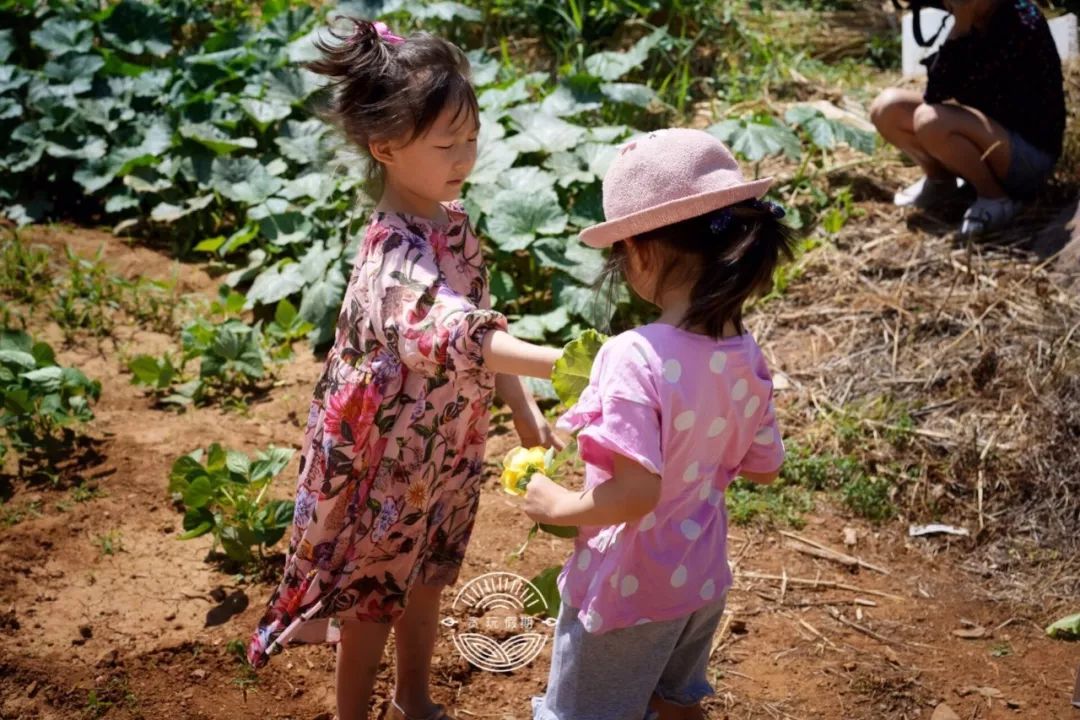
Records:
x=674, y=306
x=396, y=198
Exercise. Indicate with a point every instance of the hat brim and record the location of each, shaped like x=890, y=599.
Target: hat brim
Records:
x=610, y=232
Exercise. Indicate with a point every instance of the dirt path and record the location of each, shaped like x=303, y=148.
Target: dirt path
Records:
x=145, y=632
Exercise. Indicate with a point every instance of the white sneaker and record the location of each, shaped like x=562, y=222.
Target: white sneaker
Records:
x=926, y=193
x=987, y=214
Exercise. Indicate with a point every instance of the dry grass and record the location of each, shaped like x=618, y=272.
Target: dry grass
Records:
x=950, y=371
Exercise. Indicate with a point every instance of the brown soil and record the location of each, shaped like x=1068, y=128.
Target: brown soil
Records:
x=144, y=632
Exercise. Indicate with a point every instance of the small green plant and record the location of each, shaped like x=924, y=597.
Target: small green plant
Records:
x=109, y=543
x=82, y=493
x=96, y=706
x=24, y=270
x=868, y=497
x=1001, y=649
x=88, y=297
x=226, y=496
x=231, y=360
x=287, y=328
x=40, y=400
x=153, y=304
x=13, y=516
x=782, y=502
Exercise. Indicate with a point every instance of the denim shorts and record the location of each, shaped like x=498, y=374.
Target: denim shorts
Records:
x=1029, y=168
x=612, y=676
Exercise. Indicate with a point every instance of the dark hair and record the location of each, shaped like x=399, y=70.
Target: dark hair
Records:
x=384, y=90
x=729, y=255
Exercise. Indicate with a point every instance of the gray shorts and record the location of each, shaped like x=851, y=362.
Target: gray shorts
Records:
x=613, y=675
x=1029, y=168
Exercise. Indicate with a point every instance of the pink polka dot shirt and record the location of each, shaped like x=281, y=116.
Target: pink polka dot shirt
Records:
x=695, y=411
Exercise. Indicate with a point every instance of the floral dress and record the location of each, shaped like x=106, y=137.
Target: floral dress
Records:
x=393, y=451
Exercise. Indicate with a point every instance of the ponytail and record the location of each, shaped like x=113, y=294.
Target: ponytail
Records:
x=730, y=255
x=387, y=87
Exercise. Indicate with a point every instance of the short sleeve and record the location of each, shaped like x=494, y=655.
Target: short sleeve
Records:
x=620, y=410
x=413, y=312
x=766, y=453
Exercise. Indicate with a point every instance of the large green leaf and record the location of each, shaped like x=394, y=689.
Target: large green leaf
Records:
x=614, y=65
x=265, y=113
x=493, y=160
x=244, y=180
x=756, y=141
x=571, y=374
x=538, y=327
x=276, y=283
x=216, y=139
x=7, y=47
x=826, y=133
x=523, y=215
x=59, y=35
x=138, y=28
x=544, y=133
x=630, y=93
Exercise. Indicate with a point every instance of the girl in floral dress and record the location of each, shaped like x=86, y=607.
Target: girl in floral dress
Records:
x=393, y=452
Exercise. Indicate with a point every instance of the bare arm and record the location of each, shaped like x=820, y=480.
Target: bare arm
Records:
x=760, y=478
x=505, y=354
x=631, y=492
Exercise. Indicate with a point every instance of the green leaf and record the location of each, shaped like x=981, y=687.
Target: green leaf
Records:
x=826, y=133
x=547, y=585
x=238, y=463
x=630, y=93
x=270, y=463
x=493, y=160
x=186, y=468
x=216, y=139
x=265, y=113
x=198, y=492
x=538, y=327
x=562, y=531
x=571, y=374
x=138, y=28
x=244, y=180
x=59, y=35
x=197, y=521
x=286, y=228
x=148, y=370
x=614, y=65
x=7, y=47
x=276, y=283
x=541, y=132
x=756, y=141
x=521, y=216
x=285, y=313
x=564, y=102
x=1067, y=628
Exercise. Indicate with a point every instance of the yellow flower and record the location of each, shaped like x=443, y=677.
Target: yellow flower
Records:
x=519, y=466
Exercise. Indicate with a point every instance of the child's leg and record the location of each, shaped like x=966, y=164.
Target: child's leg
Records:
x=967, y=142
x=684, y=682
x=670, y=711
x=415, y=633
x=359, y=652
x=893, y=114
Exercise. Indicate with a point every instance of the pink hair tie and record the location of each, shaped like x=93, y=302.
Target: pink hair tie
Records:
x=387, y=36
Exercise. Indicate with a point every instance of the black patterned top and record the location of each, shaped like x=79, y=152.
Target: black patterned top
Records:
x=1009, y=70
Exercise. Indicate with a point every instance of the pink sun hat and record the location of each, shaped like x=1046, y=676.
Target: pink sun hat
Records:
x=665, y=177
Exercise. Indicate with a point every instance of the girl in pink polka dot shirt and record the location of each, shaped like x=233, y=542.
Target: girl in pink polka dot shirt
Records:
x=674, y=411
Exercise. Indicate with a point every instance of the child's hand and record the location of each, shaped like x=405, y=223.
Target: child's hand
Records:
x=542, y=499
x=534, y=430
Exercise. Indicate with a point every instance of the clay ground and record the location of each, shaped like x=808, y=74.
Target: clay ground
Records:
x=144, y=632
